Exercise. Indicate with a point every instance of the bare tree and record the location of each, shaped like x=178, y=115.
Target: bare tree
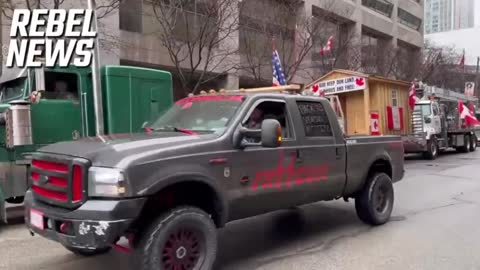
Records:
x=345, y=52
x=296, y=35
x=199, y=37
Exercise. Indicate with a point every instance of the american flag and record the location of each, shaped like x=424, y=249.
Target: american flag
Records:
x=278, y=76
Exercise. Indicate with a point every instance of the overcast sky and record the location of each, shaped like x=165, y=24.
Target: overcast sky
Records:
x=477, y=13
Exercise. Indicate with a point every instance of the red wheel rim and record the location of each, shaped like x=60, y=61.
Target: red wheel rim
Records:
x=182, y=250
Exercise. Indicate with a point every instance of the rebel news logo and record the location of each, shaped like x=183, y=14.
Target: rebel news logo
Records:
x=51, y=37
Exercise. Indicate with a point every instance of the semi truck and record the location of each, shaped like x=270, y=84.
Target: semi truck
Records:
x=436, y=123
x=42, y=106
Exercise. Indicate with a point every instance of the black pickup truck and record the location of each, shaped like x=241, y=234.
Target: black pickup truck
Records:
x=210, y=159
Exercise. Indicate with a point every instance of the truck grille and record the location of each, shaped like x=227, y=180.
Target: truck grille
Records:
x=59, y=182
x=417, y=123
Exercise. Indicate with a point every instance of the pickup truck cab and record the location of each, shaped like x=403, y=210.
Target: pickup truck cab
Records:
x=209, y=160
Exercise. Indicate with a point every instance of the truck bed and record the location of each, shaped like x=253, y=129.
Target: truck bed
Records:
x=363, y=151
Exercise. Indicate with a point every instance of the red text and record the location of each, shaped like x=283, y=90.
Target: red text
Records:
x=290, y=175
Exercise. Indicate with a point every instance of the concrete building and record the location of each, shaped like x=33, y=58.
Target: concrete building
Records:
x=132, y=33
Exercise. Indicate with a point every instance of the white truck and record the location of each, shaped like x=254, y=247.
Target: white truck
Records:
x=436, y=124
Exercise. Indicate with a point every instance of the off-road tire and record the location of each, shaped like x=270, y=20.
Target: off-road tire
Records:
x=473, y=143
x=88, y=252
x=465, y=148
x=369, y=203
x=432, y=150
x=185, y=236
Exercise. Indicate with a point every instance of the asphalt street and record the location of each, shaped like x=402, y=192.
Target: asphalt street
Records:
x=435, y=225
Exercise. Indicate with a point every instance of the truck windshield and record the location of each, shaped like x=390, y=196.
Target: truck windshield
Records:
x=425, y=109
x=12, y=89
x=208, y=114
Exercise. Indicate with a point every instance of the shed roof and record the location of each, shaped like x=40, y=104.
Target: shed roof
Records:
x=360, y=74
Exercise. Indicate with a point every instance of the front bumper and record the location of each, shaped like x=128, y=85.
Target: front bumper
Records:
x=94, y=225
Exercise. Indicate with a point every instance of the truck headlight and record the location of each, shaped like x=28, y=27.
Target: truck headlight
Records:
x=106, y=182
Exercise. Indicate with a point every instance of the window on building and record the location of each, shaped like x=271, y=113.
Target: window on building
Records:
x=410, y=20
x=320, y=38
x=130, y=16
x=384, y=7
x=369, y=51
x=259, y=22
x=184, y=21
x=394, y=98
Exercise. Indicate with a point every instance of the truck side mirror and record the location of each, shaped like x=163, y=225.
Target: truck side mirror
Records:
x=40, y=79
x=271, y=133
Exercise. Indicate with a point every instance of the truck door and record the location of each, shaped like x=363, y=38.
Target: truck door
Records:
x=57, y=116
x=261, y=174
x=322, y=152
x=436, y=119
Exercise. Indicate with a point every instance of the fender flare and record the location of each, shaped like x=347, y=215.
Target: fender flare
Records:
x=196, y=178
x=3, y=207
x=382, y=157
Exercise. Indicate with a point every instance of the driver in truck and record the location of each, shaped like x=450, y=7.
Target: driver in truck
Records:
x=255, y=120
x=61, y=88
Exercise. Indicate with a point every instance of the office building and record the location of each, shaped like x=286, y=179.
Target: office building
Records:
x=131, y=32
x=448, y=15
x=463, y=14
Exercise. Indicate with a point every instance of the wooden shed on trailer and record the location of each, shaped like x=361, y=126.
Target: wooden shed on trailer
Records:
x=371, y=105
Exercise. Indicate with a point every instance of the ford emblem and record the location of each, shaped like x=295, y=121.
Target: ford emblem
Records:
x=44, y=179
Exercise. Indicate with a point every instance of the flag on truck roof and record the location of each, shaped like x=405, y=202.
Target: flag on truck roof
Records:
x=466, y=114
x=278, y=75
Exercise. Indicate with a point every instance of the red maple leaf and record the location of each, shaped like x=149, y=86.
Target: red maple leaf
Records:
x=359, y=81
x=315, y=88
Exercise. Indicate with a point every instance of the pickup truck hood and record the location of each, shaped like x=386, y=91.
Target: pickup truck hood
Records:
x=109, y=150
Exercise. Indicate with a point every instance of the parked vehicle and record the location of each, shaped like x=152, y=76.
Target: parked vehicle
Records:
x=436, y=125
x=210, y=159
x=39, y=107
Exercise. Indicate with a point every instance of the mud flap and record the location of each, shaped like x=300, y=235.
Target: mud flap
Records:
x=3, y=208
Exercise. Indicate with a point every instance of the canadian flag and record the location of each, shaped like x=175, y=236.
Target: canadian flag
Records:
x=466, y=114
x=317, y=91
x=374, y=124
x=328, y=46
x=412, y=96
x=394, y=118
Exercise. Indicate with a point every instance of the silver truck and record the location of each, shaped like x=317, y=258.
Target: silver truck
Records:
x=436, y=124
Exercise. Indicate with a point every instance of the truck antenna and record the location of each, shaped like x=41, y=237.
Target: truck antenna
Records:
x=97, y=90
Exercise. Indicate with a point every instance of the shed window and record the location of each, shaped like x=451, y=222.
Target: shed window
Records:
x=394, y=98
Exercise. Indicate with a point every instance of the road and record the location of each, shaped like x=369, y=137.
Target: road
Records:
x=435, y=225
